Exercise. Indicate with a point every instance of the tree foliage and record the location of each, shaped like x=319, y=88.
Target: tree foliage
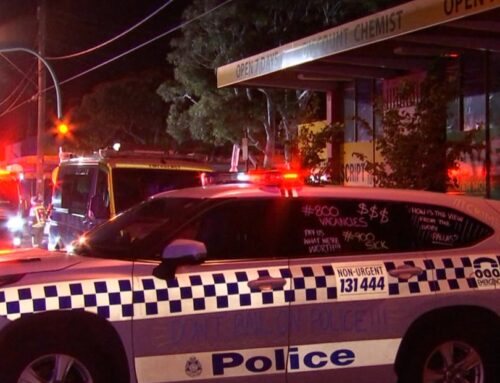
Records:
x=127, y=110
x=414, y=145
x=312, y=147
x=200, y=111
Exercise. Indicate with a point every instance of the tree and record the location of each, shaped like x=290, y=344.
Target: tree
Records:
x=312, y=147
x=200, y=111
x=127, y=110
x=416, y=151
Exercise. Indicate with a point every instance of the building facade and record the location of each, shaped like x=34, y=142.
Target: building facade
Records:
x=369, y=58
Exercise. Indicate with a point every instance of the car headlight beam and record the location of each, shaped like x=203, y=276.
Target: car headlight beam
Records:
x=15, y=223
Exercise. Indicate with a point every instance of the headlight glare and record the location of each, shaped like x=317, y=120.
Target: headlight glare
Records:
x=15, y=223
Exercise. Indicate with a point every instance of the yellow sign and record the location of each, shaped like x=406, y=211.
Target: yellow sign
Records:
x=354, y=168
x=403, y=19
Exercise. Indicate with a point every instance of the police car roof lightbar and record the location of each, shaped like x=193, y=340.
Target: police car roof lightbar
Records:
x=258, y=177
x=276, y=177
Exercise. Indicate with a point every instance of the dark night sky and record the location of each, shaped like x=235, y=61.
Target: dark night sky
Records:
x=73, y=26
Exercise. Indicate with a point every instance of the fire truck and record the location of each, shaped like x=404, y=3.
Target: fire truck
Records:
x=12, y=214
x=89, y=190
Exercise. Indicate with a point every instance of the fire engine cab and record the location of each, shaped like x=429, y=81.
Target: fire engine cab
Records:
x=91, y=189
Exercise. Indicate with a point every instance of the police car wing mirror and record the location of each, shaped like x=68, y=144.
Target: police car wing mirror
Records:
x=185, y=249
x=180, y=252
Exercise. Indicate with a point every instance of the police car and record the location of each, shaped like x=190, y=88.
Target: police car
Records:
x=263, y=282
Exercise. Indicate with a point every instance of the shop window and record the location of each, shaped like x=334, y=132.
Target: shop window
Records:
x=474, y=116
x=364, y=109
x=454, y=107
x=350, y=113
x=473, y=91
x=494, y=109
x=378, y=91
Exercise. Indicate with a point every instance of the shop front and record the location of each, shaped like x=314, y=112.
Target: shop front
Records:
x=368, y=59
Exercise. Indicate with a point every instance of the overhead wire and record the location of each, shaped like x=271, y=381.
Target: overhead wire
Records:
x=15, y=107
x=19, y=70
x=26, y=80
x=150, y=41
x=107, y=42
x=12, y=104
x=13, y=92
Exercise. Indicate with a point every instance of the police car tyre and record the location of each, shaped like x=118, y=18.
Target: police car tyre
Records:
x=49, y=360
x=457, y=353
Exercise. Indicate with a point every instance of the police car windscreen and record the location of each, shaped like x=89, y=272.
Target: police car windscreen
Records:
x=139, y=223
x=131, y=186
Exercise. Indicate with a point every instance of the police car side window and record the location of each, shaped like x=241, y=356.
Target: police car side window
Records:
x=343, y=227
x=330, y=226
x=240, y=229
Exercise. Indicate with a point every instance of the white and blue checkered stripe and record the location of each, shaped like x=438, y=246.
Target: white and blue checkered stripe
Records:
x=110, y=298
x=422, y=285
x=439, y=275
x=215, y=292
x=149, y=297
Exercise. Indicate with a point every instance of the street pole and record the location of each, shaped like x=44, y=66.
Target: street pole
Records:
x=41, y=121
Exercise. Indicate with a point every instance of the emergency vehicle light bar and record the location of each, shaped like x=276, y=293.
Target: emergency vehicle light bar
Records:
x=276, y=177
x=258, y=177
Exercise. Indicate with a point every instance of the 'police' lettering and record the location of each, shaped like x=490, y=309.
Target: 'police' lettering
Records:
x=342, y=357
x=258, y=364
x=222, y=362
x=225, y=360
x=310, y=362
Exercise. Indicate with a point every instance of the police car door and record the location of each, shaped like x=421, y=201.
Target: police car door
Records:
x=342, y=327
x=225, y=318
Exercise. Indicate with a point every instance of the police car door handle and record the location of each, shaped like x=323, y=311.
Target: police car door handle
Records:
x=267, y=283
x=405, y=271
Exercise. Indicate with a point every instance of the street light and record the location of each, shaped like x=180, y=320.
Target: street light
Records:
x=49, y=68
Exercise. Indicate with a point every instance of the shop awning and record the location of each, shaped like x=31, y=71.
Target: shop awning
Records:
x=384, y=45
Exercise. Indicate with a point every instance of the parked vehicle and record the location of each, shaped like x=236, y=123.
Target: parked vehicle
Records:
x=12, y=219
x=90, y=190
x=271, y=281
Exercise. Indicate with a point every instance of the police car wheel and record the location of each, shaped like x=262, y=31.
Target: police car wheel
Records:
x=452, y=357
x=46, y=360
x=58, y=367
